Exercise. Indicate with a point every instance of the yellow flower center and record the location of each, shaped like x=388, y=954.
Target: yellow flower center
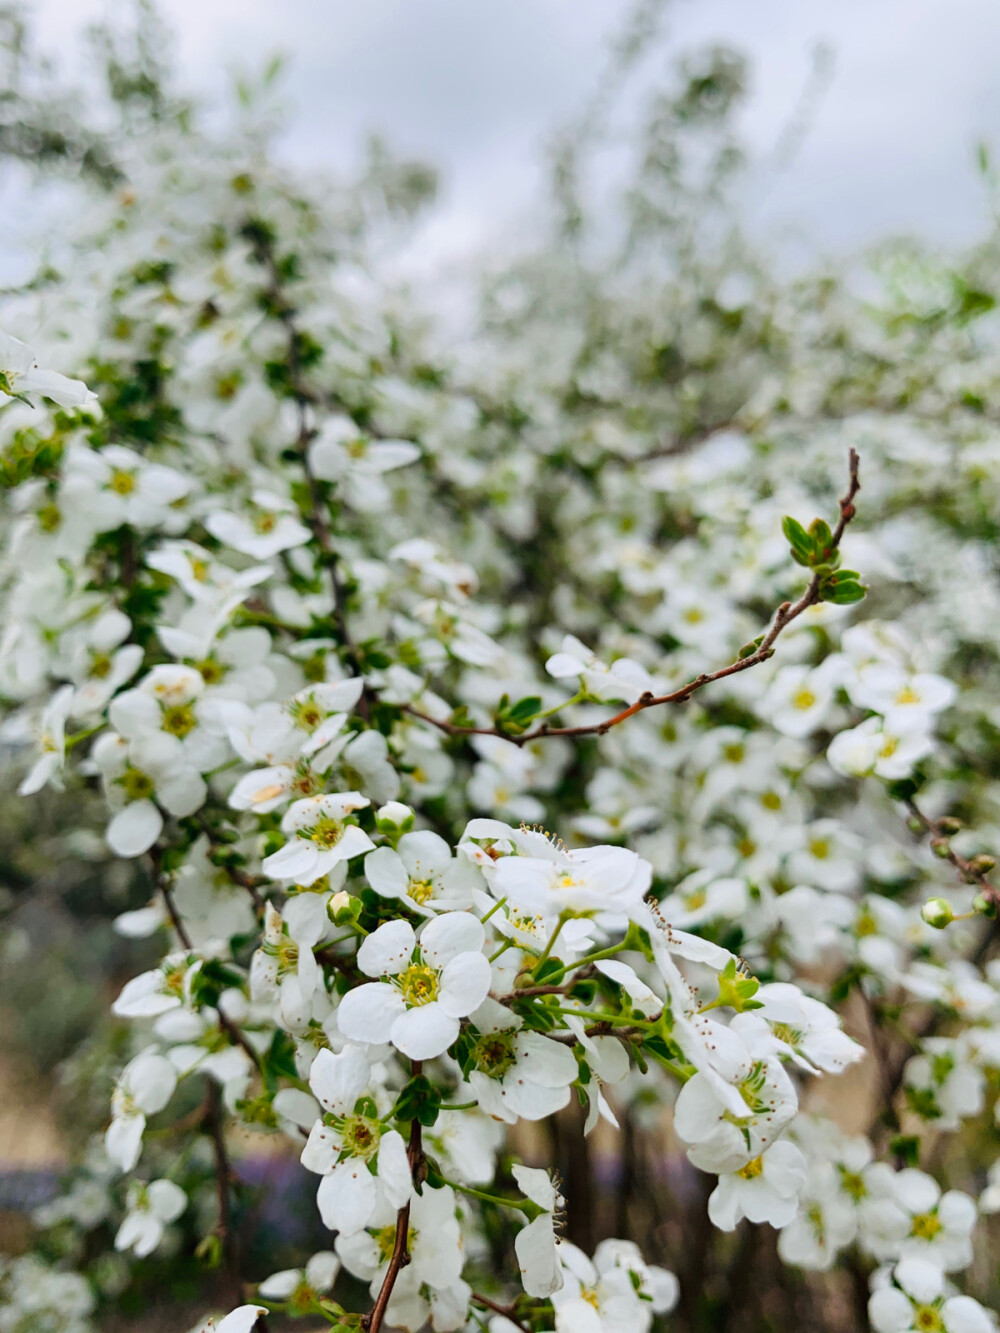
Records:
x=927, y=1319
x=361, y=1136
x=421, y=890
x=212, y=670
x=100, y=665
x=138, y=786
x=752, y=1169
x=326, y=832
x=589, y=1295
x=49, y=517
x=925, y=1226
x=122, y=483
x=419, y=984
x=179, y=719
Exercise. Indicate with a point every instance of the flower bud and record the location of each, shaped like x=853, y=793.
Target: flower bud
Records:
x=342, y=908
x=983, y=863
x=937, y=913
x=985, y=904
x=394, y=817
x=939, y=846
x=949, y=825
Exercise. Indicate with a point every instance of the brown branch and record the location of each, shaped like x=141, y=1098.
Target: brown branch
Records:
x=975, y=871
x=235, y=1034
x=785, y=614
x=225, y=1230
x=506, y=1310
x=372, y=1321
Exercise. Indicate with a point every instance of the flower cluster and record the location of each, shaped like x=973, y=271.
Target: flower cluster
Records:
x=480, y=759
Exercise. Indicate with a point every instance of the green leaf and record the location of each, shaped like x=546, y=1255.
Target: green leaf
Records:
x=797, y=537
x=517, y=717
x=418, y=1100
x=906, y=1146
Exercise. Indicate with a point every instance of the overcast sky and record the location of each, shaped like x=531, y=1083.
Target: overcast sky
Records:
x=476, y=86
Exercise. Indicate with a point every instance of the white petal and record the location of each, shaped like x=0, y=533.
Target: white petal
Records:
x=386, y=873
x=123, y=1140
x=387, y=950
x=134, y=829
x=279, y=1286
x=166, y=1199
x=394, y=1169
x=339, y=1080
x=447, y=936
x=368, y=1012
x=242, y=1319
x=322, y=1149
x=535, y=1247
x=346, y=1197
x=424, y=1032
x=536, y=1185
x=293, y=861
x=465, y=983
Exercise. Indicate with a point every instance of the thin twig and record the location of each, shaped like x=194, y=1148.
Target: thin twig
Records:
x=506, y=1310
x=785, y=614
x=163, y=884
x=372, y=1321
x=226, y=1232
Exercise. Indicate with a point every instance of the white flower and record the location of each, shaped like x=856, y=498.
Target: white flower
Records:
x=799, y=699
x=737, y=1103
x=285, y=973
x=618, y=1291
x=807, y=1029
x=422, y=873
x=144, y=1087
x=157, y=991
x=303, y=1286
x=342, y=453
x=917, y=1221
x=942, y=1083
x=428, y=987
x=535, y=1244
x=919, y=1301
x=435, y=1247
x=138, y=778
x=766, y=1189
x=322, y=837
x=826, y=1220
x=351, y=1148
x=21, y=373
x=51, y=742
x=587, y=880
x=874, y=748
x=908, y=702
x=117, y=485
x=623, y=680
x=517, y=1075
x=151, y=1208
x=268, y=527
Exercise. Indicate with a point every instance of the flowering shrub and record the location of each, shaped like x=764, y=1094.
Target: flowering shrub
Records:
x=496, y=733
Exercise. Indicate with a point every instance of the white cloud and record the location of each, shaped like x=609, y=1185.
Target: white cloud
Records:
x=477, y=86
